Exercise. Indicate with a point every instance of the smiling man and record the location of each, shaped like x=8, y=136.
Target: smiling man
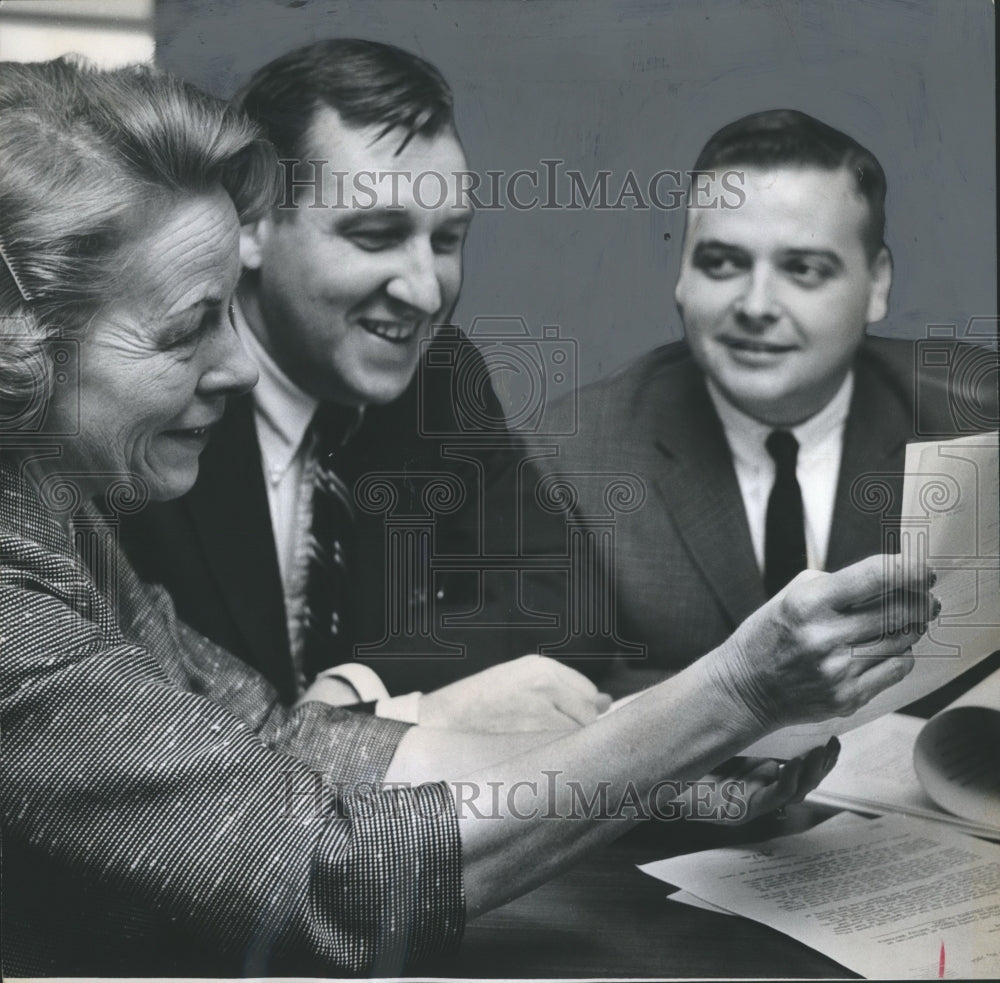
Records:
x=750, y=435
x=344, y=283
x=776, y=296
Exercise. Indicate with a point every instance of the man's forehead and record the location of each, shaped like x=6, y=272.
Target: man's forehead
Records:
x=802, y=202
x=343, y=144
x=345, y=169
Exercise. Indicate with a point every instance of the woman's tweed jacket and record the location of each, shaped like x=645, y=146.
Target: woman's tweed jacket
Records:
x=163, y=813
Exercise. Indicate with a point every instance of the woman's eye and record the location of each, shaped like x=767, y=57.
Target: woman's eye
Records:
x=186, y=340
x=189, y=338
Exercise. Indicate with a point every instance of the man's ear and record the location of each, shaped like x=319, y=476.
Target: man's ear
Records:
x=878, y=301
x=680, y=287
x=253, y=238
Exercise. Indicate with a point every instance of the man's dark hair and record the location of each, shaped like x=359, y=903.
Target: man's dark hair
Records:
x=367, y=83
x=789, y=138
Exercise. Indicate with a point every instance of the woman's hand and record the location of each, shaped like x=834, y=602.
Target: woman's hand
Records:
x=827, y=643
x=765, y=785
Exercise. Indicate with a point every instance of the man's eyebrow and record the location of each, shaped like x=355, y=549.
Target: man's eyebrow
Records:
x=717, y=246
x=825, y=254
x=354, y=217
x=459, y=216
x=394, y=217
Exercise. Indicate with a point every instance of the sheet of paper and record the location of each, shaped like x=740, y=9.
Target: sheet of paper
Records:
x=957, y=755
x=951, y=516
x=686, y=897
x=875, y=773
x=889, y=898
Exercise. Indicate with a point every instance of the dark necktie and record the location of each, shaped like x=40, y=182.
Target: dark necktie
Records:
x=325, y=635
x=785, y=533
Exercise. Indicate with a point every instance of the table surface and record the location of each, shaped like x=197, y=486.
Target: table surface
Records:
x=604, y=918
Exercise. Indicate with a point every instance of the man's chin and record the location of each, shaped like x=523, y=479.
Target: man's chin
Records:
x=775, y=408
x=383, y=397
x=378, y=390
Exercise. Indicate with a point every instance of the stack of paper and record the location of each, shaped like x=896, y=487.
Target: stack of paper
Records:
x=945, y=769
x=891, y=898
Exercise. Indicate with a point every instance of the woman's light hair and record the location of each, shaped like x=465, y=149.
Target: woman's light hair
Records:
x=88, y=161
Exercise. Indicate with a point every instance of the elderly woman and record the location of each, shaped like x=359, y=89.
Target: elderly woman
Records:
x=163, y=813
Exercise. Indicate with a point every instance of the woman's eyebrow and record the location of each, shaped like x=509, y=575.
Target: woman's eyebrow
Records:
x=209, y=303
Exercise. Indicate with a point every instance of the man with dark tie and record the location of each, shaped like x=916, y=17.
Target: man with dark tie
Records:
x=344, y=284
x=758, y=440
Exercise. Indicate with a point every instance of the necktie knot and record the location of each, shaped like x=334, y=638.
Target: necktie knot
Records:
x=333, y=425
x=784, y=448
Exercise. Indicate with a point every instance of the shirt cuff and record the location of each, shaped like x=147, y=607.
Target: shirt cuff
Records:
x=405, y=708
x=361, y=678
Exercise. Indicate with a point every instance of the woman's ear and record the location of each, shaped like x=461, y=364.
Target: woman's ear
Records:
x=253, y=238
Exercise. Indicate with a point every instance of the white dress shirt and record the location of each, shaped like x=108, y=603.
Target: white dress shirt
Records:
x=821, y=441
x=282, y=415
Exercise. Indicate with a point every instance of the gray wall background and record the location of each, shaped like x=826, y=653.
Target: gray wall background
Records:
x=639, y=85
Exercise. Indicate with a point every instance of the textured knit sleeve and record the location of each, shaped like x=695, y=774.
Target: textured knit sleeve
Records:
x=200, y=802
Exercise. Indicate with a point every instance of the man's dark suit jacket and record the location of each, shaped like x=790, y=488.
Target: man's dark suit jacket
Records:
x=685, y=574
x=214, y=550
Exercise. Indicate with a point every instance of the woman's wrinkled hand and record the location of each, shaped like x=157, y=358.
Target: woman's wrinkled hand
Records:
x=828, y=642
x=766, y=785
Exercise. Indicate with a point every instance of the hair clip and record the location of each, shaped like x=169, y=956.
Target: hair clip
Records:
x=13, y=275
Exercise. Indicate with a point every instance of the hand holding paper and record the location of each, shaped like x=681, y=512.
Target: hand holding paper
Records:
x=795, y=659
x=950, y=517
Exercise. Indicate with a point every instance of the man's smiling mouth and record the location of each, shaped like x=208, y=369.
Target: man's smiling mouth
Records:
x=752, y=346
x=398, y=332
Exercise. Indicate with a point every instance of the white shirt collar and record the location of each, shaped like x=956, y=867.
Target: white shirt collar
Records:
x=746, y=435
x=283, y=410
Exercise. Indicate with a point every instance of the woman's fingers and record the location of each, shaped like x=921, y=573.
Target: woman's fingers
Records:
x=887, y=617
x=771, y=795
x=876, y=577
x=899, y=643
x=880, y=675
x=817, y=764
x=782, y=784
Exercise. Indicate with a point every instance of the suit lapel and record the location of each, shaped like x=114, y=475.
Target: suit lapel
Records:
x=697, y=483
x=228, y=506
x=871, y=466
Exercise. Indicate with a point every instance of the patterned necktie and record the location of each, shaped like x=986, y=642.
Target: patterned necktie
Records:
x=325, y=635
x=785, y=533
